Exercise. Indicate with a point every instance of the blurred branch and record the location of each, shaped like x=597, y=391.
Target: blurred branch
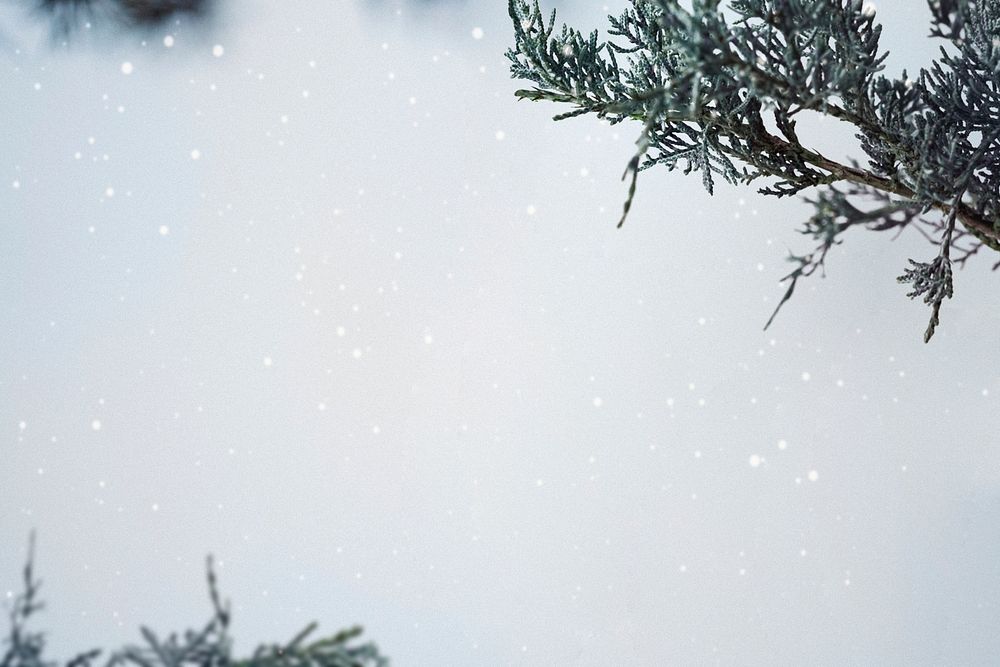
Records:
x=68, y=15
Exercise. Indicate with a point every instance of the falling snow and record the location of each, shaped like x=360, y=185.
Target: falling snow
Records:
x=328, y=303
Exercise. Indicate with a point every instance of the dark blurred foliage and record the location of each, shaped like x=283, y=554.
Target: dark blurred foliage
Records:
x=67, y=15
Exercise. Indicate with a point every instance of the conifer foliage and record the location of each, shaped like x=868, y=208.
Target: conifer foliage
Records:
x=211, y=646
x=67, y=15
x=718, y=90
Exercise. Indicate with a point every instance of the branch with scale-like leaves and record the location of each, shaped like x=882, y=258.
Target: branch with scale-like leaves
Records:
x=718, y=91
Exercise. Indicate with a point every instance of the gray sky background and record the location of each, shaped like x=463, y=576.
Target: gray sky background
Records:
x=381, y=350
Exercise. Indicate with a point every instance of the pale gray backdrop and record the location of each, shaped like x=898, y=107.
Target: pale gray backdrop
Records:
x=381, y=350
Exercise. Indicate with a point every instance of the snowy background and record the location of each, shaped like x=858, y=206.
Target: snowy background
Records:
x=307, y=289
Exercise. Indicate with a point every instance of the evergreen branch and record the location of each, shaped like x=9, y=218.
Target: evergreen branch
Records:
x=211, y=647
x=701, y=83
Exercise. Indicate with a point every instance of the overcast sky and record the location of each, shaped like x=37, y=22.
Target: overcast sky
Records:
x=307, y=289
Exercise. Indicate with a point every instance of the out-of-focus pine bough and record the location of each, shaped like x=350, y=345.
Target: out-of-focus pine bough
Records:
x=67, y=15
x=209, y=647
x=718, y=90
